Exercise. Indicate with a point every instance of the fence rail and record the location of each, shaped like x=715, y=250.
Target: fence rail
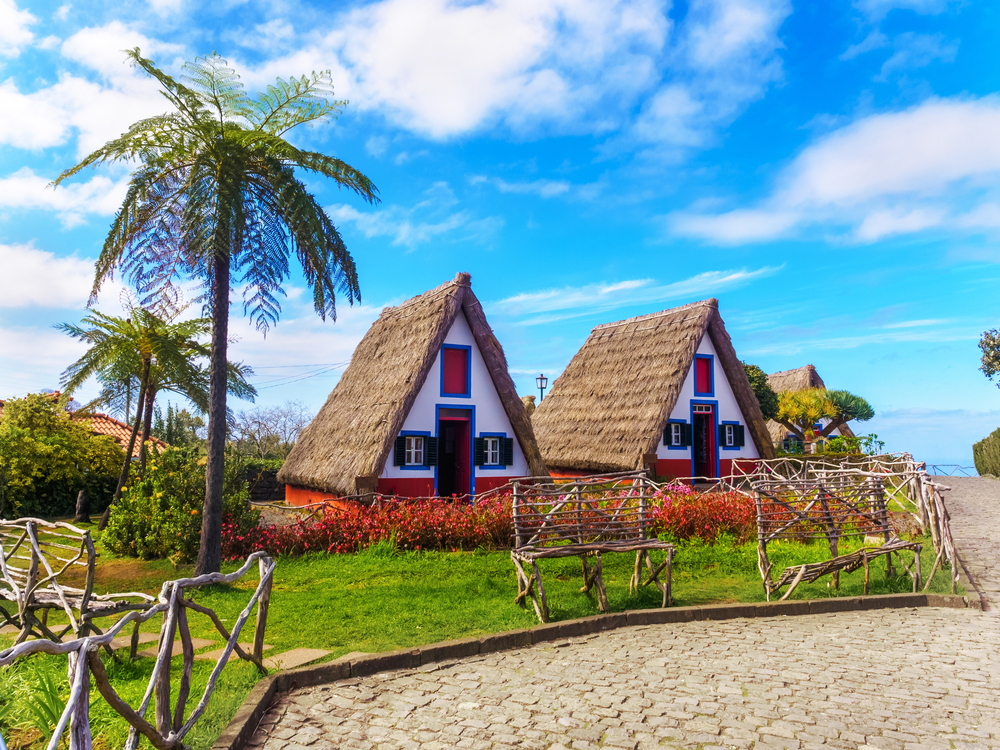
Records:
x=170, y=726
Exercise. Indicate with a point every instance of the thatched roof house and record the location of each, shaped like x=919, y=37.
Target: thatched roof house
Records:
x=426, y=406
x=666, y=387
x=799, y=379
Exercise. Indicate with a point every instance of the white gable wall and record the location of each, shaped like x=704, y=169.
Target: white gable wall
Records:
x=728, y=409
x=489, y=412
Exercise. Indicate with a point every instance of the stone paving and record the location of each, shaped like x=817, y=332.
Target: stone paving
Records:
x=974, y=506
x=885, y=679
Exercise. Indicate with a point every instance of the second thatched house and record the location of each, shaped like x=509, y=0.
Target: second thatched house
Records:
x=426, y=407
x=799, y=379
x=665, y=391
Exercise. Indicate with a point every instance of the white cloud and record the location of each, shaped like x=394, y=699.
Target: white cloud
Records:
x=917, y=51
x=14, y=31
x=571, y=302
x=733, y=227
x=72, y=201
x=416, y=225
x=97, y=112
x=37, y=278
x=63, y=12
x=884, y=174
x=444, y=68
x=542, y=188
x=876, y=9
x=874, y=40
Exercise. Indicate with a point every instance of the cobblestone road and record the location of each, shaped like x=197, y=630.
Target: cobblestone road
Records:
x=888, y=679
x=974, y=505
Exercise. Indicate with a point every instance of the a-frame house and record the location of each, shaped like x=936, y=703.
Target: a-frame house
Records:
x=664, y=391
x=426, y=407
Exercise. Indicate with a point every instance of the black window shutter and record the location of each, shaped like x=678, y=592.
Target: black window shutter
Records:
x=666, y=434
x=399, y=459
x=741, y=435
x=430, y=451
x=508, y=451
x=478, y=448
x=685, y=434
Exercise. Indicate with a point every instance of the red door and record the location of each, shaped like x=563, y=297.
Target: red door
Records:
x=704, y=443
x=453, y=456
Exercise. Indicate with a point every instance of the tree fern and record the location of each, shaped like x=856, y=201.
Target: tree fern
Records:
x=217, y=199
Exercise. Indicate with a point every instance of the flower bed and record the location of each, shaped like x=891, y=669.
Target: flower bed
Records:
x=442, y=524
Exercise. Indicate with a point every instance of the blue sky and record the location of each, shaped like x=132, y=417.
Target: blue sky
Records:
x=829, y=171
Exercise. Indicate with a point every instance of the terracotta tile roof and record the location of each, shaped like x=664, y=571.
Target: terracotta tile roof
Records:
x=102, y=424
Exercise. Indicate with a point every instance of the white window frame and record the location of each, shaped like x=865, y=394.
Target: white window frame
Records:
x=491, y=451
x=728, y=436
x=415, y=447
x=675, y=434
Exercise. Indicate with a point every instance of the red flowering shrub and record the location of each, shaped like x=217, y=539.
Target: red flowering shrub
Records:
x=448, y=525
x=684, y=514
x=411, y=525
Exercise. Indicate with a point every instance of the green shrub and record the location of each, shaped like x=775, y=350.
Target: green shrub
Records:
x=159, y=515
x=46, y=458
x=986, y=454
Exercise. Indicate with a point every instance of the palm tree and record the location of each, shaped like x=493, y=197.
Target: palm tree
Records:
x=149, y=354
x=215, y=197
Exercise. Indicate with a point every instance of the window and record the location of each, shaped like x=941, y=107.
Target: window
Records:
x=414, y=450
x=491, y=451
x=496, y=450
x=455, y=370
x=677, y=435
x=732, y=435
x=703, y=385
x=701, y=408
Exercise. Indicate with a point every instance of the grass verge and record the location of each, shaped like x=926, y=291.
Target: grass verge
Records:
x=382, y=599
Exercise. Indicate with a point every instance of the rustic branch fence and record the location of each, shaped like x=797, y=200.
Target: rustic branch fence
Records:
x=829, y=511
x=585, y=518
x=33, y=555
x=906, y=483
x=170, y=726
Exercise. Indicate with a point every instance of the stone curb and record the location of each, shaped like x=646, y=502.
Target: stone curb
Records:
x=245, y=722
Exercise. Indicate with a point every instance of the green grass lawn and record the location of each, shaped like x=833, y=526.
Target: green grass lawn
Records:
x=381, y=600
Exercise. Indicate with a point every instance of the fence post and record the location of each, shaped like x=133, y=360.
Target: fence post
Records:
x=262, y=605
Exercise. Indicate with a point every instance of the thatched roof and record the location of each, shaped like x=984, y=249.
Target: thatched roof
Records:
x=612, y=403
x=353, y=433
x=799, y=379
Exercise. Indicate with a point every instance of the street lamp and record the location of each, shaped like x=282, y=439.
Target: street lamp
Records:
x=542, y=382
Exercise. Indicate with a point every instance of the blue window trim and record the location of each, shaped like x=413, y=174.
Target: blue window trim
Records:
x=715, y=412
x=471, y=408
x=677, y=447
x=493, y=467
x=711, y=375
x=727, y=447
x=468, y=371
x=419, y=433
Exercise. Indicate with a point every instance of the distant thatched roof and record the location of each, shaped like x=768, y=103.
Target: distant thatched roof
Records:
x=353, y=433
x=612, y=403
x=799, y=379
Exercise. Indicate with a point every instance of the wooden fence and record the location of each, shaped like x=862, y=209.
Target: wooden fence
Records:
x=170, y=728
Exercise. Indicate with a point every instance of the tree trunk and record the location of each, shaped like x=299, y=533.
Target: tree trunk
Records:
x=147, y=424
x=123, y=477
x=82, y=508
x=210, y=549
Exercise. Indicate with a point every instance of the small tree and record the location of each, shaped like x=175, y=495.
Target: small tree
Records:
x=269, y=432
x=800, y=411
x=47, y=457
x=762, y=389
